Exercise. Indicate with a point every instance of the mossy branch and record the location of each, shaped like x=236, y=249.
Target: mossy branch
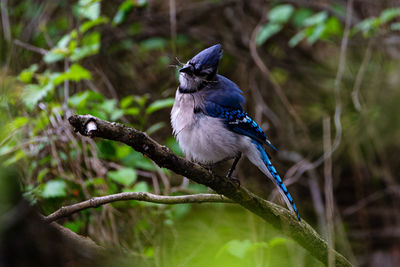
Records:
x=279, y=217
x=139, y=196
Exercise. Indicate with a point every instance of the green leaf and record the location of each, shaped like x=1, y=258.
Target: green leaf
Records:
x=15, y=124
x=5, y=148
x=316, y=19
x=99, y=113
x=300, y=15
x=17, y=156
x=316, y=33
x=42, y=174
x=338, y=9
x=395, y=26
x=74, y=226
x=122, y=151
x=174, y=146
x=122, y=12
x=126, y=102
x=278, y=241
x=160, y=104
x=64, y=41
x=31, y=194
x=116, y=114
x=33, y=93
x=368, y=26
x=8, y=130
x=266, y=32
x=79, y=99
x=90, y=46
x=149, y=252
x=108, y=105
x=123, y=176
x=107, y=149
x=131, y=111
x=155, y=43
x=177, y=212
x=295, y=40
x=134, y=29
x=54, y=55
x=55, y=188
x=140, y=3
x=92, y=39
x=280, y=14
x=26, y=75
x=155, y=127
x=238, y=248
x=75, y=73
x=137, y=160
x=389, y=14
x=95, y=181
x=92, y=23
x=89, y=9
x=332, y=27
x=141, y=100
x=85, y=100
x=141, y=187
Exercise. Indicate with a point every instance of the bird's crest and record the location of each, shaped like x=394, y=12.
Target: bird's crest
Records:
x=208, y=58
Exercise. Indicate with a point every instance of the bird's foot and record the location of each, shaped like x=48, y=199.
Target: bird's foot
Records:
x=234, y=180
x=206, y=166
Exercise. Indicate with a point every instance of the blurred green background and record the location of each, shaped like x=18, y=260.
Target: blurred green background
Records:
x=118, y=60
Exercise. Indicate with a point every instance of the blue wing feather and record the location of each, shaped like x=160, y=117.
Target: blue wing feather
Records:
x=224, y=94
x=277, y=178
x=226, y=103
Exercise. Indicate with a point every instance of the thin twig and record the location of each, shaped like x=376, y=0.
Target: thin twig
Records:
x=66, y=86
x=141, y=196
x=5, y=20
x=31, y=47
x=329, y=204
x=107, y=82
x=164, y=180
x=275, y=85
x=312, y=184
x=339, y=77
x=317, y=201
x=360, y=75
x=172, y=21
x=366, y=201
x=257, y=97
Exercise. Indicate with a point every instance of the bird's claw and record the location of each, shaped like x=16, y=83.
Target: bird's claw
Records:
x=208, y=167
x=234, y=180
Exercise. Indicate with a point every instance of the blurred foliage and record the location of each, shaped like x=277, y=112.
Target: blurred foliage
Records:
x=39, y=138
x=111, y=59
x=310, y=26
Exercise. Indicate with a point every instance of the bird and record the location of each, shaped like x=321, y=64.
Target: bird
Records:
x=210, y=124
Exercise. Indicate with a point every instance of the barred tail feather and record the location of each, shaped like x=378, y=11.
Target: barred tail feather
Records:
x=272, y=173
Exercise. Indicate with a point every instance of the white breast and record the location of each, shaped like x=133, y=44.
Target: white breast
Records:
x=202, y=138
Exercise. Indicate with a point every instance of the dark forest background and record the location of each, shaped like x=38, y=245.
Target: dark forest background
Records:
x=320, y=77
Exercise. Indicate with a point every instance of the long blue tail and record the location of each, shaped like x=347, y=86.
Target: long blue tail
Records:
x=285, y=193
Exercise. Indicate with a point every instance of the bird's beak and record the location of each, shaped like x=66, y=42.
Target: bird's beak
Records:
x=187, y=69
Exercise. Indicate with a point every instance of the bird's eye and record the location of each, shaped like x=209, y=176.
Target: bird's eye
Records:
x=203, y=73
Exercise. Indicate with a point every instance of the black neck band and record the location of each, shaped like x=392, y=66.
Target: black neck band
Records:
x=201, y=86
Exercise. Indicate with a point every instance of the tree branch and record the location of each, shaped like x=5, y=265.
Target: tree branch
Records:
x=141, y=196
x=279, y=217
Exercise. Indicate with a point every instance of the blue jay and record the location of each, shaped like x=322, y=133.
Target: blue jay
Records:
x=210, y=124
